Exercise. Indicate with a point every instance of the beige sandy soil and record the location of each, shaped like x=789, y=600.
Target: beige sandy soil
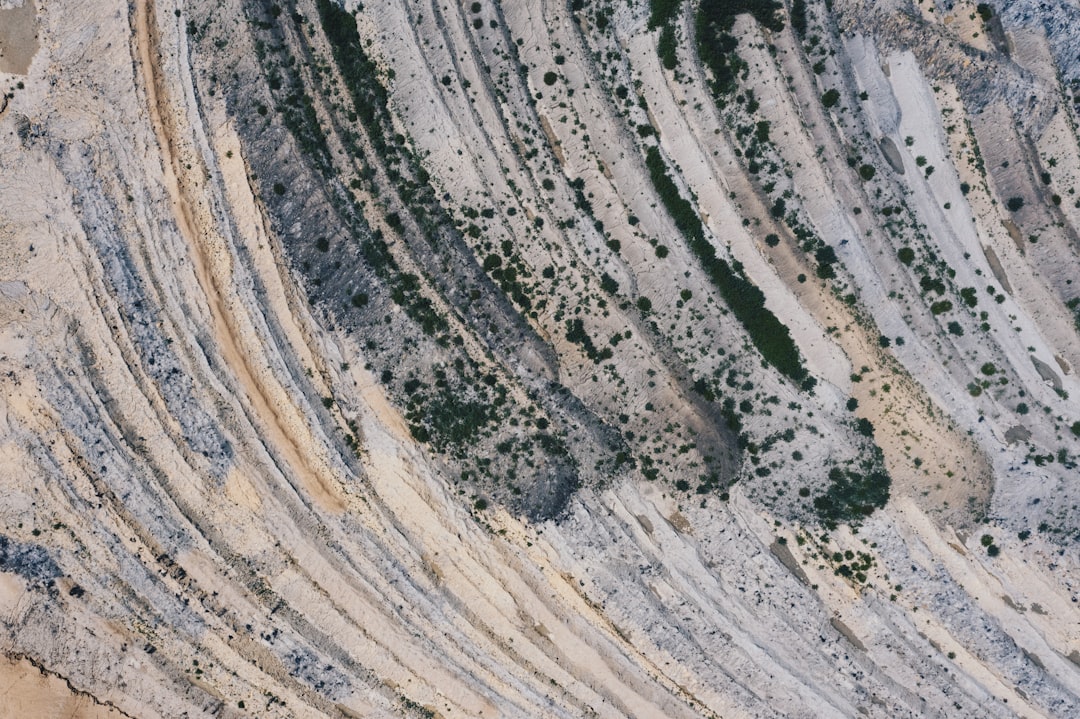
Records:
x=18, y=37
x=292, y=580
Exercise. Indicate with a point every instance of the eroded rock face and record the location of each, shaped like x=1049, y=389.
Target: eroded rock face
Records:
x=540, y=359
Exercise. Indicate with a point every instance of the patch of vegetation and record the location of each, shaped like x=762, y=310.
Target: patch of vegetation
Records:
x=716, y=45
x=747, y=302
x=798, y=17
x=941, y=307
x=852, y=496
x=575, y=332
x=448, y=417
x=1074, y=305
x=662, y=12
x=666, y=47
x=826, y=258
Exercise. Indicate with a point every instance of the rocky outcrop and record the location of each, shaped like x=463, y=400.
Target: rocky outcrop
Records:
x=407, y=359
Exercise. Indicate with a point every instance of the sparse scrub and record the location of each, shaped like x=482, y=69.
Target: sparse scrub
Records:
x=768, y=334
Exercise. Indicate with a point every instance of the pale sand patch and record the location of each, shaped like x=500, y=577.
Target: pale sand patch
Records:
x=28, y=692
x=18, y=38
x=239, y=489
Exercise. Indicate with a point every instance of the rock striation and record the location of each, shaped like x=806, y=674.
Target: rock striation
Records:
x=466, y=359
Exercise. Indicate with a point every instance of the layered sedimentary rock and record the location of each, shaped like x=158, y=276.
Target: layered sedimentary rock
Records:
x=539, y=358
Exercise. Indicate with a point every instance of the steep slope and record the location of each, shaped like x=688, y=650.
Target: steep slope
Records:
x=540, y=358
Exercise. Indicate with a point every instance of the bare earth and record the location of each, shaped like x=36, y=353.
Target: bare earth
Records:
x=228, y=488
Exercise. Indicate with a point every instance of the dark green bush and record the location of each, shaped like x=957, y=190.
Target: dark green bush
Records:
x=663, y=12
x=852, y=496
x=941, y=307
x=667, y=46
x=798, y=17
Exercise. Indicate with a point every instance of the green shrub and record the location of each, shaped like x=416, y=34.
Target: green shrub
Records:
x=608, y=284
x=575, y=332
x=798, y=17
x=852, y=496
x=663, y=12
x=761, y=131
x=1015, y=203
x=667, y=46
x=830, y=97
x=941, y=307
